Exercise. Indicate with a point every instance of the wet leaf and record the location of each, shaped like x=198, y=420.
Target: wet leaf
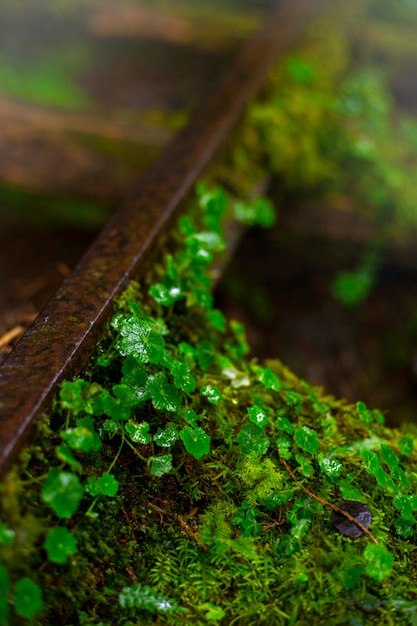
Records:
x=165, y=397
x=251, y=440
x=359, y=511
x=258, y=415
x=166, y=437
x=306, y=438
x=404, y=527
x=182, y=376
x=138, y=339
x=331, y=467
x=143, y=597
x=138, y=432
x=82, y=437
x=212, y=394
x=161, y=465
x=196, y=441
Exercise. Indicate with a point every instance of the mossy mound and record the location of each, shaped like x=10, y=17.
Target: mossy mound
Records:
x=179, y=481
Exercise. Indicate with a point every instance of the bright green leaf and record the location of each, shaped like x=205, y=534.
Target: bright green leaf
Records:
x=348, y=491
x=143, y=597
x=165, y=295
x=76, y=396
x=406, y=445
x=63, y=492
x=191, y=417
x=81, y=438
x=404, y=527
x=107, y=405
x=108, y=485
x=196, y=441
x=27, y=598
x=270, y=380
x=138, y=433
x=306, y=438
x=284, y=446
x=284, y=424
x=212, y=394
x=217, y=319
x=251, y=440
x=258, y=415
x=59, y=544
x=389, y=457
x=365, y=415
x=380, y=561
x=331, y=467
x=65, y=455
x=213, y=612
x=166, y=437
x=130, y=397
x=305, y=465
x=138, y=339
x=165, y=397
x=182, y=376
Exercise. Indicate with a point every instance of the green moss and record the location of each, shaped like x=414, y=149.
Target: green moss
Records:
x=185, y=481
x=179, y=507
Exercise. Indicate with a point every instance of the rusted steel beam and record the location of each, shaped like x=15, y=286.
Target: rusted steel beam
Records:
x=63, y=336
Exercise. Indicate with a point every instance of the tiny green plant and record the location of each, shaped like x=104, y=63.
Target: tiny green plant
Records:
x=180, y=480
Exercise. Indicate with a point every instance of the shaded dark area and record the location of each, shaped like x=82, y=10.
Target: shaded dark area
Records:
x=279, y=285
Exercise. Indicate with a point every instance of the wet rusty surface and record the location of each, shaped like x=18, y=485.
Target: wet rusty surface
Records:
x=61, y=339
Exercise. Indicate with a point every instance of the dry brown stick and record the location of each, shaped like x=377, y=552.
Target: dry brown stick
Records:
x=10, y=335
x=329, y=504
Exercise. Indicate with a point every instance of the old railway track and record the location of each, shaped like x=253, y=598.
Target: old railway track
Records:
x=62, y=337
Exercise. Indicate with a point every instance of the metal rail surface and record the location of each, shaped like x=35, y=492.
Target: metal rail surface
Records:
x=61, y=339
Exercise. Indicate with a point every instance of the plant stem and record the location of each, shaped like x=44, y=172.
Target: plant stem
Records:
x=329, y=504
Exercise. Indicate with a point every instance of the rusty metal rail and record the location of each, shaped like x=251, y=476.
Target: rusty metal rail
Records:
x=61, y=339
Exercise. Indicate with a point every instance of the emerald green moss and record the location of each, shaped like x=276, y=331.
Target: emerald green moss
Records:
x=181, y=480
